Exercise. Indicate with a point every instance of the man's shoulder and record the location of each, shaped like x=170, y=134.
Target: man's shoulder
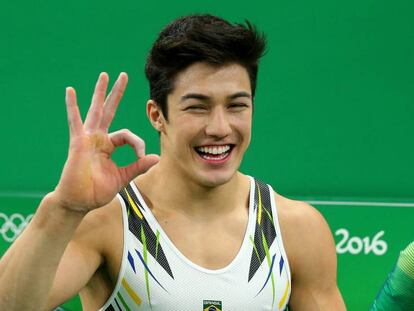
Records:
x=297, y=212
x=105, y=215
x=98, y=225
x=304, y=229
x=310, y=248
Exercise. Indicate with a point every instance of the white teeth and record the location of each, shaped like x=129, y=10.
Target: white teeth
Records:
x=214, y=149
x=216, y=158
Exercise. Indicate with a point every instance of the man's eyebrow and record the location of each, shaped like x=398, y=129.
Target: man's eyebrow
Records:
x=194, y=96
x=206, y=98
x=240, y=94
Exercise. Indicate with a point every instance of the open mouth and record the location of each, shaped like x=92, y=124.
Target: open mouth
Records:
x=214, y=153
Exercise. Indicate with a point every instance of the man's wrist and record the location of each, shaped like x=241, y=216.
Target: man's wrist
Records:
x=53, y=215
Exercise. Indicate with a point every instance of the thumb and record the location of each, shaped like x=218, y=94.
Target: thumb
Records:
x=138, y=167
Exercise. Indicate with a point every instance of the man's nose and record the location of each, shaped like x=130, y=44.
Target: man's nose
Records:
x=218, y=124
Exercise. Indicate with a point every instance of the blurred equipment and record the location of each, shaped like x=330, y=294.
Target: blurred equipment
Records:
x=397, y=293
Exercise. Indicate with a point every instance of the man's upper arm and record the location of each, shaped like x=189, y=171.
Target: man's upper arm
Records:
x=311, y=251
x=81, y=259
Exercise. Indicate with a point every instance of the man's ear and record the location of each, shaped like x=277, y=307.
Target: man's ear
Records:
x=155, y=115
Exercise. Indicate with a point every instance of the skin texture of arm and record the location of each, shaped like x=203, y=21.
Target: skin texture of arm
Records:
x=95, y=244
x=28, y=268
x=312, y=258
x=89, y=181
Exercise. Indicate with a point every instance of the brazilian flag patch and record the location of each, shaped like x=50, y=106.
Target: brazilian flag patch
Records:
x=212, y=305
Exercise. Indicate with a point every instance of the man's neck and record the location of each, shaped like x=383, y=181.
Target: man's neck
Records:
x=172, y=191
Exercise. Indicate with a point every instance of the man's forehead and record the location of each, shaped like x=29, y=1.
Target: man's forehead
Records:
x=210, y=80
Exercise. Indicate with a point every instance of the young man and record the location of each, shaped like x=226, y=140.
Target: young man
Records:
x=190, y=232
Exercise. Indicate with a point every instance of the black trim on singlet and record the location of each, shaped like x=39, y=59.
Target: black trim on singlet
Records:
x=110, y=308
x=265, y=228
x=137, y=224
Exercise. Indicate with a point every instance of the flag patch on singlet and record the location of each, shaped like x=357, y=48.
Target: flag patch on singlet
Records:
x=212, y=305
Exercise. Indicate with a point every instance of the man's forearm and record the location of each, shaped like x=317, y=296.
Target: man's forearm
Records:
x=28, y=268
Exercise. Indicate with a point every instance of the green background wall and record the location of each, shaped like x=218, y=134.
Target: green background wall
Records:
x=334, y=113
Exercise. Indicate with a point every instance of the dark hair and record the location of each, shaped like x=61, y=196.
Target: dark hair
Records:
x=195, y=38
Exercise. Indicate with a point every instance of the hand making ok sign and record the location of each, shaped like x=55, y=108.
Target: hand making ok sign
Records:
x=90, y=178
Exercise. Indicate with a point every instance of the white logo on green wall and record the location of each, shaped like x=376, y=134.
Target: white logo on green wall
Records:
x=11, y=226
x=356, y=245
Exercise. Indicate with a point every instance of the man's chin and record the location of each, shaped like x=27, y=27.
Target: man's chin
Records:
x=216, y=180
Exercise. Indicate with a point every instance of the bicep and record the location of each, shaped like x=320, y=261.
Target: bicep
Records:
x=314, y=283
x=316, y=299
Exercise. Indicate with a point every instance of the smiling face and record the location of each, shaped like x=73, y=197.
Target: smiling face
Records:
x=209, y=123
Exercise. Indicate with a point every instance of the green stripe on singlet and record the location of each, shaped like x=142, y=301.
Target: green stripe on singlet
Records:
x=123, y=302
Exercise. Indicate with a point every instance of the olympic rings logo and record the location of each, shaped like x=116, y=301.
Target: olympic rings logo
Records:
x=11, y=227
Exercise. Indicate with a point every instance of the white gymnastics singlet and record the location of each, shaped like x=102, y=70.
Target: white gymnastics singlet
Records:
x=155, y=275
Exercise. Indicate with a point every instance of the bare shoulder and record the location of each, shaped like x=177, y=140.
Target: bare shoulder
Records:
x=301, y=223
x=98, y=227
x=100, y=218
x=305, y=232
x=310, y=248
x=295, y=210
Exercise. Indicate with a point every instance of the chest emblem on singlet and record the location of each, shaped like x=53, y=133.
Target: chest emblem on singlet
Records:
x=212, y=305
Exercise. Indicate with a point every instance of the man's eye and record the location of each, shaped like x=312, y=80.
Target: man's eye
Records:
x=238, y=106
x=196, y=108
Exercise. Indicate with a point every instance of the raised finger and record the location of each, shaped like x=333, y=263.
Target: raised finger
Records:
x=126, y=137
x=95, y=110
x=74, y=118
x=113, y=100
